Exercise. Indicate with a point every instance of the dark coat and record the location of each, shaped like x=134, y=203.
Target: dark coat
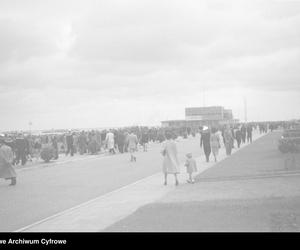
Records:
x=238, y=135
x=205, y=142
x=69, y=140
x=22, y=145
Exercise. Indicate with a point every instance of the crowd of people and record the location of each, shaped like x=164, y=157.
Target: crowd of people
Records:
x=210, y=141
x=19, y=148
x=27, y=147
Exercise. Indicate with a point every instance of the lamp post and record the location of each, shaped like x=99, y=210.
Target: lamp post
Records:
x=204, y=96
x=245, y=109
x=30, y=124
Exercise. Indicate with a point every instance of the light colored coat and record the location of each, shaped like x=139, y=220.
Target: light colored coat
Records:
x=132, y=141
x=110, y=140
x=6, y=158
x=170, y=162
x=228, y=137
x=215, y=143
x=191, y=165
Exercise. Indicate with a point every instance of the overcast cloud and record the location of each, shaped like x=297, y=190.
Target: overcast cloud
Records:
x=80, y=64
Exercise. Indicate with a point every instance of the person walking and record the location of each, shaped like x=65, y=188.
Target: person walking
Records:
x=92, y=145
x=233, y=134
x=75, y=142
x=98, y=140
x=82, y=143
x=205, y=142
x=6, y=158
x=222, y=133
x=22, y=149
x=145, y=140
x=37, y=148
x=70, y=143
x=110, y=142
x=243, y=133
x=249, y=134
x=132, y=145
x=170, y=160
x=126, y=134
x=191, y=167
x=55, y=147
x=215, y=143
x=238, y=137
x=121, y=141
x=30, y=153
x=228, y=138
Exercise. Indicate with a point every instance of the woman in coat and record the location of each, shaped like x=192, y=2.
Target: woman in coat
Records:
x=110, y=142
x=6, y=158
x=132, y=145
x=215, y=143
x=205, y=142
x=170, y=161
x=228, y=138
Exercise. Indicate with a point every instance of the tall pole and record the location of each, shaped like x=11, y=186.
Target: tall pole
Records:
x=204, y=96
x=30, y=124
x=245, y=108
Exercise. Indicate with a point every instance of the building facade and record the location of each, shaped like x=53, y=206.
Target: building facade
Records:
x=203, y=116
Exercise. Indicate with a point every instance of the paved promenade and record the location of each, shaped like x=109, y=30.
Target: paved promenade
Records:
x=44, y=190
x=105, y=210
x=249, y=191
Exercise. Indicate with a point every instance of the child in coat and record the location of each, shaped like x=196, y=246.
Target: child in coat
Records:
x=191, y=167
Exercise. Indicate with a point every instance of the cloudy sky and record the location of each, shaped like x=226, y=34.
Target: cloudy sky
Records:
x=93, y=63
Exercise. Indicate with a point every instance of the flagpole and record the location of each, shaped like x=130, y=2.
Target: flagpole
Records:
x=245, y=108
x=204, y=96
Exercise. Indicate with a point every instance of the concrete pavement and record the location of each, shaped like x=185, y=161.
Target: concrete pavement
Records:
x=105, y=210
x=249, y=191
x=48, y=189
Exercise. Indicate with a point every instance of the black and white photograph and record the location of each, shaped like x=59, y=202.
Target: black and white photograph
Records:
x=148, y=116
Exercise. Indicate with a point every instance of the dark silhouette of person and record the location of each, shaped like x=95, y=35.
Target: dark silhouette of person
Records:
x=55, y=147
x=238, y=137
x=121, y=141
x=243, y=131
x=70, y=142
x=249, y=133
x=205, y=142
x=22, y=149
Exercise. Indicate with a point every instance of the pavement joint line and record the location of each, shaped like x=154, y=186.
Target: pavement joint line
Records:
x=210, y=164
x=247, y=177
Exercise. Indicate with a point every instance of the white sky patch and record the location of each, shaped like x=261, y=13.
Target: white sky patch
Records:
x=66, y=39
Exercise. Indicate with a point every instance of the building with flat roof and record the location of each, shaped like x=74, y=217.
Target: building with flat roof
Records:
x=203, y=116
